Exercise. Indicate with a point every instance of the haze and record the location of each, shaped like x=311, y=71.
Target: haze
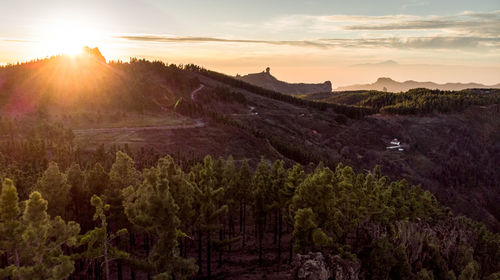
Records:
x=302, y=41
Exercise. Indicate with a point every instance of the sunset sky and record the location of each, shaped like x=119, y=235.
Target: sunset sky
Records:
x=345, y=42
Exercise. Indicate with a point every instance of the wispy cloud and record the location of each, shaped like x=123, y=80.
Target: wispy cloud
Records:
x=327, y=43
x=469, y=31
x=15, y=40
x=170, y=39
x=467, y=23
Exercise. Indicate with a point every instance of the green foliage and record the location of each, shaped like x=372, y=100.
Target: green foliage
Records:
x=54, y=186
x=98, y=240
x=11, y=227
x=361, y=217
x=494, y=276
x=414, y=101
x=96, y=179
x=425, y=274
x=151, y=207
x=470, y=272
x=123, y=173
x=402, y=268
x=308, y=235
x=33, y=239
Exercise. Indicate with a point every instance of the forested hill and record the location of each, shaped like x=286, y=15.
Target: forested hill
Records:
x=218, y=219
x=284, y=175
x=418, y=101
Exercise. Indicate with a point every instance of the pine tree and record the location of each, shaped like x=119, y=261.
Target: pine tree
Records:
x=151, y=207
x=98, y=241
x=316, y=192
x=210, y=206
x=43, y=240
x=470, y=272
x=96, y=179
x=296, y=176
x=54, y=186
x=308, y=236
x=279, y=186
x=230, y=184
x=10, y=225
x=261, y=200
x=123, y=172
x=243, y=188
x=122, y=175
x=182, y=191
x=79, y=193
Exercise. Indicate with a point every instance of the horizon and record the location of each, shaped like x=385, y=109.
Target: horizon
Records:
x=312, y=41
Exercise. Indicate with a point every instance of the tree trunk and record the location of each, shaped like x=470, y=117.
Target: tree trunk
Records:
x=244, y=224
x=119, y=269
x=131, y=247
x=290, y=258
x=209, y=257
x=16, y=254
x=220, y=249
x=146, y=244
x=146, y=247
x=181, y=245
x=280, y=227
x=200, y=248
x=261, y=233
x=275, y=239
x=241, y=216
x=105, y=245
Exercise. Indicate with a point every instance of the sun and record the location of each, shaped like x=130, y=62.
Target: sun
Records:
x=68, y=37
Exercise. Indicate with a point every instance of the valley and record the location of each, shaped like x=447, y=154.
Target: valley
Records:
x=189, y=113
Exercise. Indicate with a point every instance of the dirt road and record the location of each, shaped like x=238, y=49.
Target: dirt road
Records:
x=193, y=94
x=199, y=123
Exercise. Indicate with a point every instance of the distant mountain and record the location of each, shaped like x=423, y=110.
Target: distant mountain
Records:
x=268, y=81
x=388, y=84
x=382, y=63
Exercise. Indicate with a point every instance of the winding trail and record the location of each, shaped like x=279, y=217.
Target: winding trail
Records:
x=199, y=123
x=193, y=94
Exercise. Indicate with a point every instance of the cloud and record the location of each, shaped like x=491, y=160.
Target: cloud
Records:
x=16, y=40
x=467, y=23
x=170, y=39
x=328, y=43
x=470, y=31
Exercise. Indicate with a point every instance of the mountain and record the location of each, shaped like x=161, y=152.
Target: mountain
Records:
x=382, y=63
x=173, y=114
x=388, y=84
x=364, y=222
x=268, y=81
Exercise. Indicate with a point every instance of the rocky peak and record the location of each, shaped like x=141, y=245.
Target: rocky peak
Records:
x=266, y=80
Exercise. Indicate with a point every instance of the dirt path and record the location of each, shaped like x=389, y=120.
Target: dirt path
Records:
x=199, y=123
x=196, y=91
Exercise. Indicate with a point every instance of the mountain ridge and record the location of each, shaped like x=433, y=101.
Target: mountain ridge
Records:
x=265, y=80
x=388, y=84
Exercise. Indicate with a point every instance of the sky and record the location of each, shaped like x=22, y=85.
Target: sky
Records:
x=346, y=42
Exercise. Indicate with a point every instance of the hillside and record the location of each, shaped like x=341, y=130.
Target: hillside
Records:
x=268, y=81
x=311, y=163
x=254, y=122
x=388, y=84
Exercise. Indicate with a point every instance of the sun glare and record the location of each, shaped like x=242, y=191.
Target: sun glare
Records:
x=68, y=37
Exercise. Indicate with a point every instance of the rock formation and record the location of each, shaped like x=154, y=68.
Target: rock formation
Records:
x=268, y=81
